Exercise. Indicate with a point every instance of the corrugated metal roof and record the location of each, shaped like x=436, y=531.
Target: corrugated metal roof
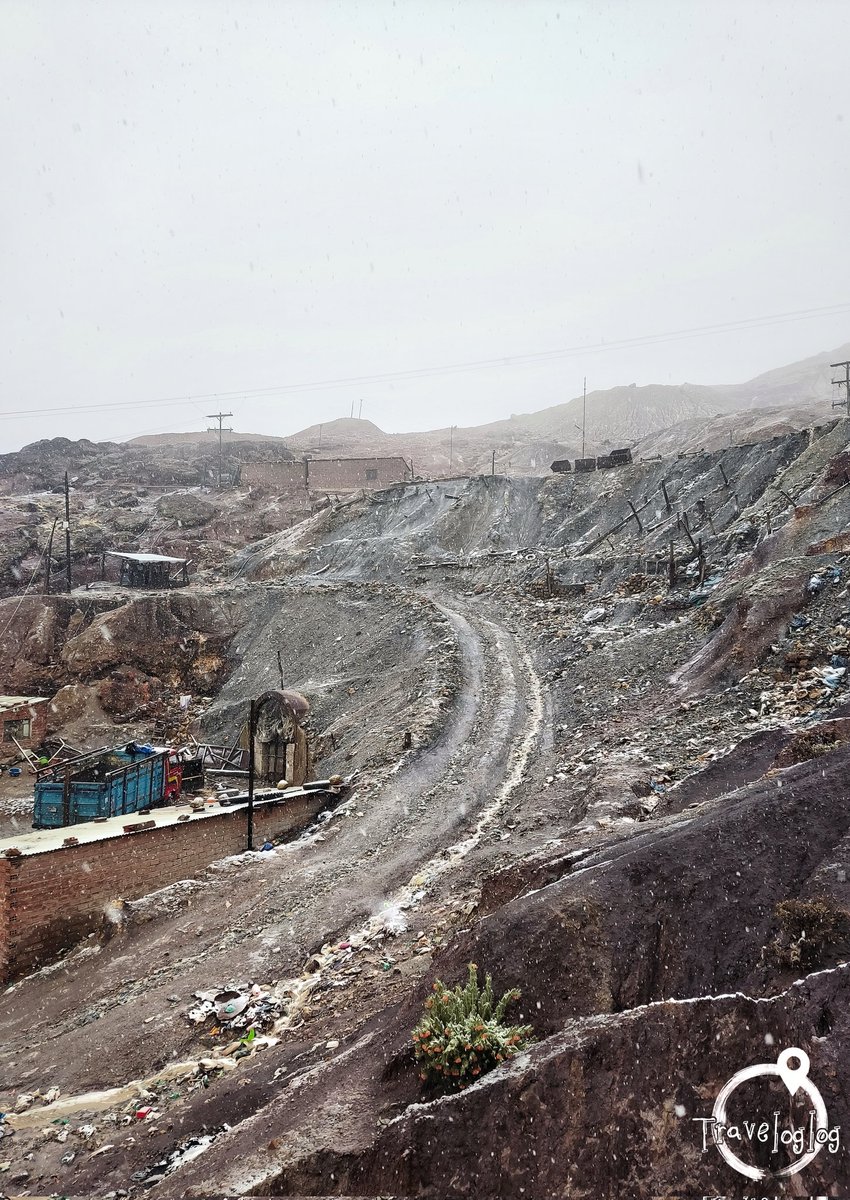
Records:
x=9, y=702
x=146, y=558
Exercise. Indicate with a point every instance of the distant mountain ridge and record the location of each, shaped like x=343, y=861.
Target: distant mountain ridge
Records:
x=627, y=415
x=652, y=418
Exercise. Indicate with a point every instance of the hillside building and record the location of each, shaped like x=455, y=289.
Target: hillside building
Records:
x=23, y=719
x=328, y=476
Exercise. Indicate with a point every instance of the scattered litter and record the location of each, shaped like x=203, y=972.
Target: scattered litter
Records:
x=242, y=1006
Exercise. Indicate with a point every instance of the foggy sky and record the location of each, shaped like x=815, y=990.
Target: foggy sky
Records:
x=218, y=197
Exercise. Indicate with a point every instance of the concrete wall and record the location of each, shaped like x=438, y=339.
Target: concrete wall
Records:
x=50, y=900
x=285, y=477
x=327, y=474
x=349, y=474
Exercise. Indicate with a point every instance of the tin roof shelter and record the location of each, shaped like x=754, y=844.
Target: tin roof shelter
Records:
x=151, y=570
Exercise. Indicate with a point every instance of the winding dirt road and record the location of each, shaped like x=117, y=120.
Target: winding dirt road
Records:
x=261, y=919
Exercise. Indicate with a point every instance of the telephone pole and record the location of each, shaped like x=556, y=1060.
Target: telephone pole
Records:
x=583, y=414
x=47, y=560
x=67, y=524
x=219, y=417
x=843, y=383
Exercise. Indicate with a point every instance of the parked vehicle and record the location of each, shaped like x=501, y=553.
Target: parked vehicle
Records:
x=106, y=783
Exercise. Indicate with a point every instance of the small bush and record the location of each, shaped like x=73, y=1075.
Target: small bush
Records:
x=812, y=933
x=463, y=1035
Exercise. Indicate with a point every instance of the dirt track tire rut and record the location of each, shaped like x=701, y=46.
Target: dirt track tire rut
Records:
x=427, y=815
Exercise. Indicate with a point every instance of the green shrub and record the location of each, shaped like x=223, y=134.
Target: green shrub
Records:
x=463, y=1034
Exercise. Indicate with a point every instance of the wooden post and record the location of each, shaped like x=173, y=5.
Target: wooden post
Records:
x=49, y=555
x=672, y=568
x=66, y=797
x=666, y=497
x=785, y=496
x=723, y=473
x=635, y=515
x=687, y=529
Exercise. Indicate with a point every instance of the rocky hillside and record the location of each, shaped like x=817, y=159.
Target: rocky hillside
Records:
x=174, y=461
x=654, y=418
x=603, y=731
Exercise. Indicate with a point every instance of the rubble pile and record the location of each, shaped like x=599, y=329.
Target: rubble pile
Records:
x=245, y=1006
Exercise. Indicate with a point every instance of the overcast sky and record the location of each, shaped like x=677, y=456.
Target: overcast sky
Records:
x=221, y=197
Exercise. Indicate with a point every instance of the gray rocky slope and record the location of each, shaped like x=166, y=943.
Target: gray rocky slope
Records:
x=614, y=781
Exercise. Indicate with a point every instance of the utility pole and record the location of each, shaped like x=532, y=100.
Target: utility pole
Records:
x=493, y=465
x=583, y=414
x=67, y=526
x=49, y=553
x=843, y=383
x=360, y=411
x=452, y=429
x=219, y=417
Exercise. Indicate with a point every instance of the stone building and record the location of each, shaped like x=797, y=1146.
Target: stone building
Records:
x=327, y=476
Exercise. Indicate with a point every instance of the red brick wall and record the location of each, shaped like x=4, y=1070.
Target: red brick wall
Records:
x=37, y=715
x=50, y=900
x=5, y=918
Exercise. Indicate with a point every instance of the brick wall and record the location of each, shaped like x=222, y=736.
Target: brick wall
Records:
x=36, y=714
x=348, y=474
x=50, y=900
x=5, y=918
x=327, y=474
x=287, y=477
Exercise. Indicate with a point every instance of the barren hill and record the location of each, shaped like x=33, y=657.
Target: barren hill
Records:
x=655, y=418
x=202, y=437
x=600, y=729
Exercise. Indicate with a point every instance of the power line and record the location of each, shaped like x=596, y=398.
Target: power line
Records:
x=510, y=360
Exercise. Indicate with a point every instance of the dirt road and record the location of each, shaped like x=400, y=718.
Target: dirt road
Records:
x=261, y=919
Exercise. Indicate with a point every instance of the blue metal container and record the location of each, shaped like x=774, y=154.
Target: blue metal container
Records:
x=106, y=783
